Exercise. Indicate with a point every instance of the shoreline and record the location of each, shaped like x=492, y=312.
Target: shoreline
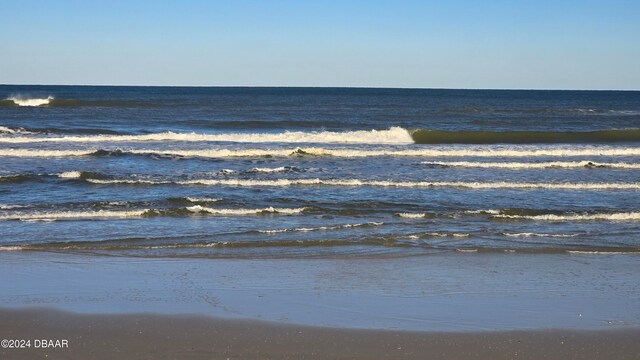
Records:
x=138, y=336
x=447, y=293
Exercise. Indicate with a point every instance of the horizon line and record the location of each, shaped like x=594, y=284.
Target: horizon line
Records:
x=326, y=87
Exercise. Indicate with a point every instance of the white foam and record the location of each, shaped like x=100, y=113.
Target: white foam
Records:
x=9, y=207
x=482, y=212
x=51, y=216
x=394, y=135
x=270, y=170
x=132, y=182
x=343, y=153
x=117, y=203
x=475, y=151
x=201, y=199
x=528, y=165
x=404, y=152
x=380, y=183
x=528, y=234
x=70, y=175
x=44, y=153
x=436, y=234
x=20, y=101
x=320, y=228
x=216, y=153
x=626, y=216
x=7, y=130
x=214, y=211
x=411, y=215
x=10, y=248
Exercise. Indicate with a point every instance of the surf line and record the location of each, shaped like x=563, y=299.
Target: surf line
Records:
x=329, y=152
x=377, y=183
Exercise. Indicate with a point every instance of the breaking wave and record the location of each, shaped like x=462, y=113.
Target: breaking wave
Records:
x=51, y=101
x=270, y=210
x=380, y=183
x=532, y=165
x=68, y=175
x=103, y=179
x=52, y=216
x=321, y=228
x=622, y=216
x=142, y=213
x=10, y=206
x=275, y=170
x=13, y=130
x=81, y=175
x=412, y=215
x=342, y=153
x=394, y=135
x=196, y=200
x=25, y=101
x=453, y=235
x=528, y=234
x=45, y=153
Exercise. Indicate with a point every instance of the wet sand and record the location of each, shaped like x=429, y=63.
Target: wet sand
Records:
x=136, y=336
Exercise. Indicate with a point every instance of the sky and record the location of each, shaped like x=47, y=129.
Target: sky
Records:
x=514, y=44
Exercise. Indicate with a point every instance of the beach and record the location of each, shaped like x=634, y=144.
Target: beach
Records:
x=187, y=337
x=469, y=306
x=454, y=293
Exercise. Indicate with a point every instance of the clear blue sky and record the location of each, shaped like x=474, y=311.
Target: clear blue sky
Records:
x=560, y=44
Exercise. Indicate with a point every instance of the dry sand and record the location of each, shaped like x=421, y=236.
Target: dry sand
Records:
x=136, y=336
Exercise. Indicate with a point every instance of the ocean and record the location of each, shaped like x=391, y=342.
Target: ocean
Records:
x=317, y=172
x=374, y=208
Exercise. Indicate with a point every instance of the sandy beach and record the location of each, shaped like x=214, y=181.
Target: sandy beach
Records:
x=322, y=308
x=136, y=336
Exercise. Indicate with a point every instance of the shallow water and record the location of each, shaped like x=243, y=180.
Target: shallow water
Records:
x=458, y=292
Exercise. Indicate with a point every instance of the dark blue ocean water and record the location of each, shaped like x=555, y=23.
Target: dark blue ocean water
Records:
x=317, y=172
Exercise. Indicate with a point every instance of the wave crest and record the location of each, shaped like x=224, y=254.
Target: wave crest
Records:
x=145, y=213
x=198, y=209
x=623, y=216
x=316, y=151
x=25, y=101
x=321, y=228
x=380, y=183
x=532, y=165
x=393, y=135
x=529, y=234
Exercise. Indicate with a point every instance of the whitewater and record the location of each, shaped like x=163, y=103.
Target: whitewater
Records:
x=393, y=135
